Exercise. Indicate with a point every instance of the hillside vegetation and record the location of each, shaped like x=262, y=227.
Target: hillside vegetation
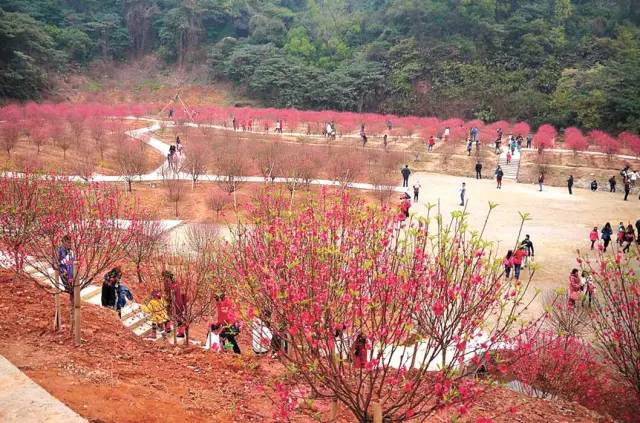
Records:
x=559, y=61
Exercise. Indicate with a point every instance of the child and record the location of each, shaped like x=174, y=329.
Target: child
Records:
x=260, y=336
x=575, y=287
x=213, y=339
x=508, y=263
x=589, y=287
x=156, y=308
x=508, y=157
x=593, y=236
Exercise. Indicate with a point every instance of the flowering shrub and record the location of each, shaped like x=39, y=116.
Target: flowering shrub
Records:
x=605, y=142
x=371, y=311
x=574, y=140
x=545, y=137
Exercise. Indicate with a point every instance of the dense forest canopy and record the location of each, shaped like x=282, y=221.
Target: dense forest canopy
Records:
x=560, y=61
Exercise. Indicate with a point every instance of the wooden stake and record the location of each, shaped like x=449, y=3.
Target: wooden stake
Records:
x=333, y=414
x=377, y=412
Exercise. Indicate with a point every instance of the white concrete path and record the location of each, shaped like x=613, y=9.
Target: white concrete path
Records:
x=24, y=401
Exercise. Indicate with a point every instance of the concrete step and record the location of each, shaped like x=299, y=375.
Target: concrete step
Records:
x=143, y=329
x=129, y=309
x=135, y=320
x=90, y=291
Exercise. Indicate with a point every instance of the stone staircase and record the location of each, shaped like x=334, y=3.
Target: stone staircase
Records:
x=510, y=170
x=132, y=318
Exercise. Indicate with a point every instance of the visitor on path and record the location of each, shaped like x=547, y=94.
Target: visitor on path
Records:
x=469, y=147
x=620, y=233
x=66, y=259
x=176, y=302
x=629, y=238
x=594, y=185
x=593, y=236
x=416, y=191
x=638, y=231
x=405, y=205
x=227, y=321
x=360, y=351
x=605, y=235
x=633, y=176
x=108, y=295
x=363, y=136
x=499, y=134
x=575, y=287
x=513, y=146
x=519, y=142
x=170, y=114
x=474, y=134
x=445, y=134
x=612, y=184
x=478, y=170
x=570, y=184
x=541, y=181
x=508, y=264
x=157, y=309
x=327, y=131
x=389, y=125
x=529, y=139
x=528, y=246
x=178, y=145
x=431, y=143
x=497, y=145
x=462, y=191
x=384, y=141
x=499, y=175
x=508, y=157
x=518, y=258
x=405, y=176
x=213, y=342
x=124, y=295
x=234, y=123
x=627, y=188
x=589, y=288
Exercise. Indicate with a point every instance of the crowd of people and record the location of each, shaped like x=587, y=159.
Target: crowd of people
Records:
x=625, y=236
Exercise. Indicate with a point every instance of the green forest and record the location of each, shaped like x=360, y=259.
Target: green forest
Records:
x=559, y=61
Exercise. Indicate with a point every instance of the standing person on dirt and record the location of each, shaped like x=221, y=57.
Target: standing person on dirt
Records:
x=363, y=135
x=474, y=134
x=445, y=134
x=156, y=308
x=385, y=141
x=405, y=176
x=593, y=236
x=416, y=191
x=227, y=321
x=605, y=235
x=517, y=258
x=541, y=181
x=612, y=184
x=589, y=288
x=620, y=233
x=108, y=295
x=629, y=238
x=431, y=143
x=508, y=264
x=124, y=295
x=529, y=139
x=575, y=288
x=627, y=188
x=528, y=246
x=462, y=191
x=638, y=231
x=389, y=125
x=469, y=147
x=499, y=175
x=570, y=184
x=594, y=185
x=405, y=206
x=508, y=157
x=478, y=170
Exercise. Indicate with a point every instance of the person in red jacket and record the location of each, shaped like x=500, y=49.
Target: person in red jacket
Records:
x=520, y=254
x=405, y=205
x=227, y=321
x=431, y=143
x=360, y=351
x=575, y=288
x=593, y=236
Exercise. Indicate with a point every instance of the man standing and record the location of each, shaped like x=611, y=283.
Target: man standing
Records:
x=528, y=247
x=541, y=181
x=612, y=184
x=627, y=188
x=529, y=139
x=570, y=184
x=405, y=176
x=499, y=175
x=462, y=191
x=478, y=170
x=416, y=192
x=474, y=134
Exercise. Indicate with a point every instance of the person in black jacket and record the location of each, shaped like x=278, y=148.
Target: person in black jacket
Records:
x=108, y=297
x=527, y=244
x=405, y=176
x=478, y=170
x=570, y=184
x=627, y=189
x=612, y=184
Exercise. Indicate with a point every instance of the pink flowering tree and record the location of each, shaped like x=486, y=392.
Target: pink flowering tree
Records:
x=545, y=137
x=630, y=141
x=605, y=142
x=574, y=140
x=379, y=317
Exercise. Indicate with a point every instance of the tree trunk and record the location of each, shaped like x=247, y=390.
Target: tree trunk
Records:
x=186, y=336
x=76, y=313
x=139, y=273
x=57, y=321
x=333, y=413
x=377, y=412
x=129, y=184
x=176, y=209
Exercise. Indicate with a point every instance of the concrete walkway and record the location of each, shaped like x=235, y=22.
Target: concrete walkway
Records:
x=24, y=401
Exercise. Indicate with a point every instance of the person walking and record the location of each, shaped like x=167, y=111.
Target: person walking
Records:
x=462, y=191
x=541, y=181
x=638, y=231
x=405, y=176
x=517, y=258
x=612, y=184
x=570, y=184
x=474, y=134
x=66, y=259
x=593, y=236
x=478, y=170
x=589, y=288
x=575, y=288
x=627, y=188
x=124, y=295
x=445, y=134
x=156, y=308
x=529, y=139
x=528, y=246
x=416, y=191
x=508, y=264
x=363, y=136
x=594, y=185
x=629, y=238
x=620, y=233
x=469, y=147
x=499, y=175
x=431, y=143
x=508, y=157
x=108, y=294
x=605, y=235
x=385, y=141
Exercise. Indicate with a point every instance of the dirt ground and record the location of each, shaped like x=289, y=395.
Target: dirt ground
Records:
x=117, y=377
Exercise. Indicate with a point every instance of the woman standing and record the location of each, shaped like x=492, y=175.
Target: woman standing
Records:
x=605, y=235
x=575, y=287
x=508, y=263
x=620, y=234
x=629, y=238
x=593, y=236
